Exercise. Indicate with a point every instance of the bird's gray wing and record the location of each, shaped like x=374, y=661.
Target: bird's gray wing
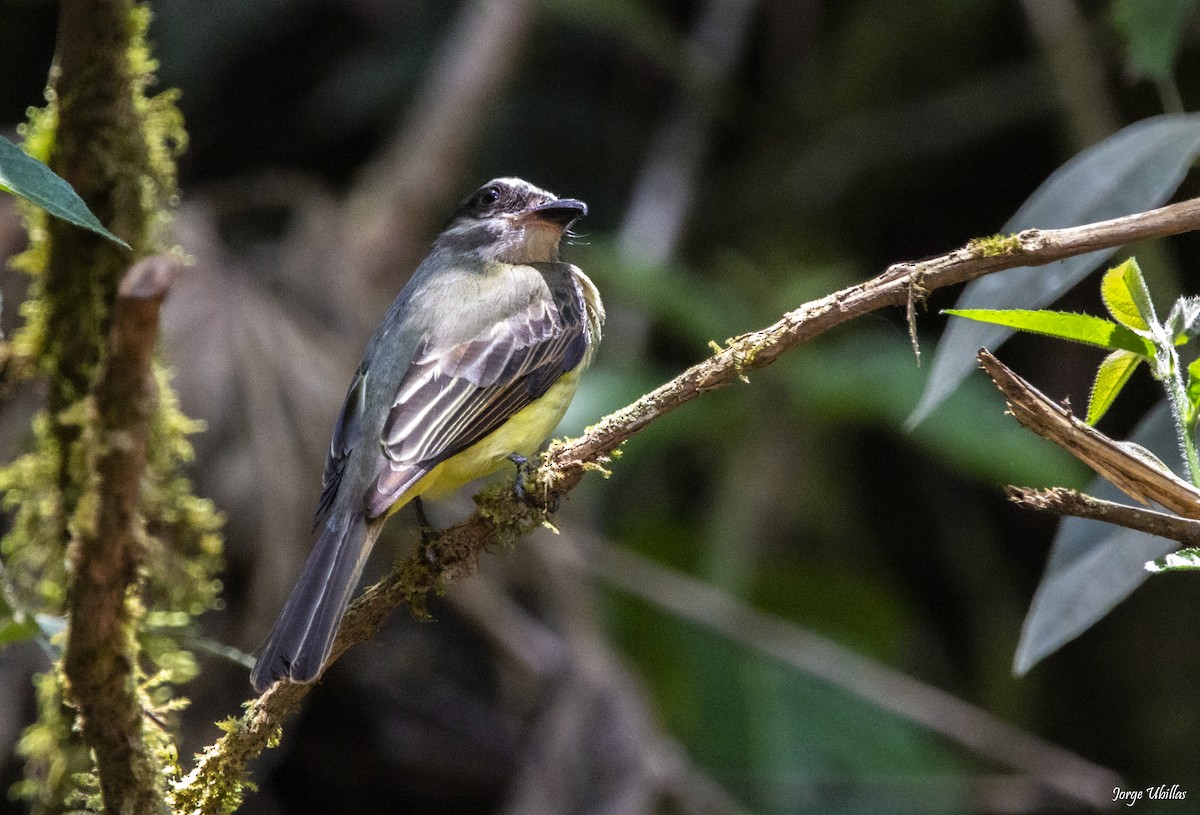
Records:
x=453, y=395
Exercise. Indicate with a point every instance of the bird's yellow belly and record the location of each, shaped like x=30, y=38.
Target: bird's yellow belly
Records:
x=523, y=433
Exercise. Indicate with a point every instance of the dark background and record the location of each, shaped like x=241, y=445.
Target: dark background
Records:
x=807, y=145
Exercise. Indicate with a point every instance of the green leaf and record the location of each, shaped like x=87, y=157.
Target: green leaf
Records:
x=1131, y=171
x=1138, y=291
x=1185, y=560
x=1063, y=325
x=1193, y=386
x=1119, y=298
x=1111, y=377
x=1153, y=31
x=27, y=177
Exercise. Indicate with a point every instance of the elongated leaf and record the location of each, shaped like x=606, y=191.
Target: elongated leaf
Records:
x=27, y=177
x=1119, y=299
x=1185, y=560
x=1063, y=325
x=1134, y=170
x=1111, y=377
x=1093, y=566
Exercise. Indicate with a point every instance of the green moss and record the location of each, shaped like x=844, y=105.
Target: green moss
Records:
x=226, y=785
x=995, y=245
x=34, y=558
x=55, y=757
x=52, y=490
x=510, y=517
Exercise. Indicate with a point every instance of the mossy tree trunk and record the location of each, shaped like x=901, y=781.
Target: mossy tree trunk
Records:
x=100, y=147
x=110, y=442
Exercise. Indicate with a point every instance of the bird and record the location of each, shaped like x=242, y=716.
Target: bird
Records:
x=474, y=364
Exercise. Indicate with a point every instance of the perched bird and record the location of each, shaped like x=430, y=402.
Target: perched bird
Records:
x=477, y=359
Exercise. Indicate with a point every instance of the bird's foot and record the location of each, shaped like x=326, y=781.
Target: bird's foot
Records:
x=524, y=471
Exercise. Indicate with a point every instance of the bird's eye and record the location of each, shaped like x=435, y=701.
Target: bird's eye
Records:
x=486, y=197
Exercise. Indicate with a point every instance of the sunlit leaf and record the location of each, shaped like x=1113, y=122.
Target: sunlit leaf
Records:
x=1093, y=566
x=1185, y=560
x=1119, y=298
x=1193, y=383
x=1111, y=377
x=1063, y=325
x=1134, y=170
x=29, y=178
x=1153, y=31
x=1137, y=292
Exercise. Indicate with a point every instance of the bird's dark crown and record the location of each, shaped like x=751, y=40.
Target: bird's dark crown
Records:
x=502, y=195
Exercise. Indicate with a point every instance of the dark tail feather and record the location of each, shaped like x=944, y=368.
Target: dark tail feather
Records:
x=299, y=644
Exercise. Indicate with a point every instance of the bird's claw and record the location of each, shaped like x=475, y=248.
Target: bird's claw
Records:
x=524, y=470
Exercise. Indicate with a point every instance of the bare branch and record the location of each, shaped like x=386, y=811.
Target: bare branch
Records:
x=1065, y=501
x=1133, y=471
x=101, y=656
x=501, y=517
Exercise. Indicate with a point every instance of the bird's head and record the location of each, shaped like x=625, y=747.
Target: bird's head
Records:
x=508, y=220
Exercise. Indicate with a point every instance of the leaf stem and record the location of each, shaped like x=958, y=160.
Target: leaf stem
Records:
x=1181, y=411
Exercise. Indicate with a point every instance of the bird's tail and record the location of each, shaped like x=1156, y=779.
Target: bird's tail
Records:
x=302, y=638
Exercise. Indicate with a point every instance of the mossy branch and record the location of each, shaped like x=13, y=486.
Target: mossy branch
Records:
x=101, y=655
x=501, y=518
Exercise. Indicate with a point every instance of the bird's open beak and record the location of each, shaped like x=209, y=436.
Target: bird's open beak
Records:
x=561, y=212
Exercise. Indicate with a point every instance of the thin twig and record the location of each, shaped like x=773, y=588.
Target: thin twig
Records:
x=1032, y=247
x=1133, y=471
x=455, y=553
x=1065, y=501
x=100, y=658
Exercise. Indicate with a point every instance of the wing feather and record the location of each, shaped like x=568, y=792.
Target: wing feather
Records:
x=457, y=390
x=452, y=397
